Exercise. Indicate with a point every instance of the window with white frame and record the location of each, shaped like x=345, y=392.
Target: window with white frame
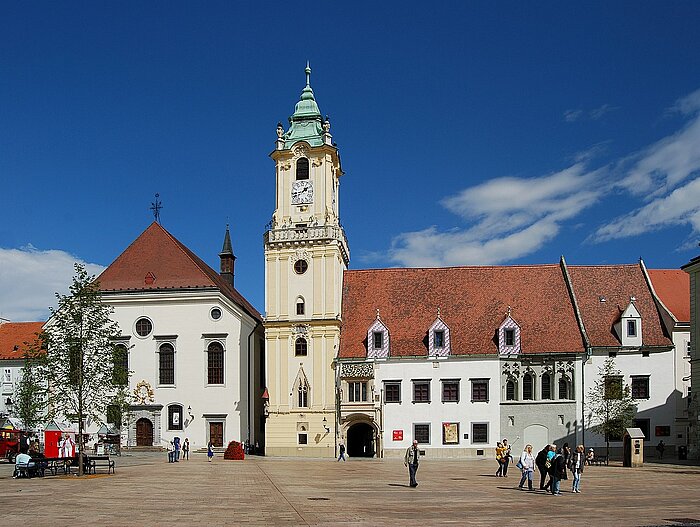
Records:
x=357, y=391
x=392, y=391
x=421, y=433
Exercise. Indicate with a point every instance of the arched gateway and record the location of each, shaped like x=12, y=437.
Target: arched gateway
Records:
x=361, y=440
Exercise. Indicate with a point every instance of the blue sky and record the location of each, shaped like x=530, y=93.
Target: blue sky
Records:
x=470, y=132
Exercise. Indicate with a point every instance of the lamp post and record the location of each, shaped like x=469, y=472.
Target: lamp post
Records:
x=325, y=425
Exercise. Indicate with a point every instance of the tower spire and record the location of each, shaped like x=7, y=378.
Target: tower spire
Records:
x=227, y=258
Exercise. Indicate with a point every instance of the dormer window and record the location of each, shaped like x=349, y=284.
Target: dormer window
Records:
x=439, y=338
x=509, y=336
x=631, y=328
x=302, y=168
x=377, y=340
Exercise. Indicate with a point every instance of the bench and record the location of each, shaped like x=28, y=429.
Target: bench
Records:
x=599, y=460
x=100, y=461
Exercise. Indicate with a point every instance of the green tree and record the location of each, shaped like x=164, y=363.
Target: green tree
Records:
x=79, y=364
x=610, y=403
x=29, y=395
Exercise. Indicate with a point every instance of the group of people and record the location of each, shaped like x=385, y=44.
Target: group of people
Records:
x=174, y=449
x=550, y=462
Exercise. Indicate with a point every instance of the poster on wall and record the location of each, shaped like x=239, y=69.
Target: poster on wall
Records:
x=397, y=435
x=450, y=433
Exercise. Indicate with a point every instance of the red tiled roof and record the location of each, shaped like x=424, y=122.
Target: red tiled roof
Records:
x=616, y=283
x=157, y=260
x=14, y=337
x=672, y=286
x=473, y=302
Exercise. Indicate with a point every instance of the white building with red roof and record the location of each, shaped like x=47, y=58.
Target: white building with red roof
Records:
x=191, y=342
x=15, y=339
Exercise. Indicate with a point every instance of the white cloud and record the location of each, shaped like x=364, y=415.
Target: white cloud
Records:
x=598, y=113
x=29, y=278
x=513, y=217
x=578, y=114
x=571, y=116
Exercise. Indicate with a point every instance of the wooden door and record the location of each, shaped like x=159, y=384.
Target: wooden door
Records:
x=144, y=432
x=216, y=433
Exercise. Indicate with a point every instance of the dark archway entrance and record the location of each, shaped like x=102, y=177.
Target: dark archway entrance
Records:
x=144, y=432
x=361, y=440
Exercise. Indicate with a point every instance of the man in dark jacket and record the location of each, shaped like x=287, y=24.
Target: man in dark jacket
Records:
x=541, y=461
x=557, y=471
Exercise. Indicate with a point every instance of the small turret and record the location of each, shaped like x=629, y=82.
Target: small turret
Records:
x=228, y=260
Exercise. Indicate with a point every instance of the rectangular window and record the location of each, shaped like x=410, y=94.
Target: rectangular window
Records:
x=640, y=387
x=643, y=425
x=8, y=375
x=378, y=338
x=480, y=390
x=392, y=392
x=120, y=366
x=613, y=387
x=302, y=438
x=174, y=417
x=510, y=337
x=439, y=339
x=357, y=392
x=662, y=431
x=480, y=432
x=450, y=391
x=300, y=308
x=421, y=391
x=631, y=328
x=421, y=433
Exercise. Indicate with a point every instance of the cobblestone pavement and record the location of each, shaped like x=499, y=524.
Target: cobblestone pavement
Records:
x=146, y=490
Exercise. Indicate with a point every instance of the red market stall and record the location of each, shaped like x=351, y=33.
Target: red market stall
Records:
x=55, y=442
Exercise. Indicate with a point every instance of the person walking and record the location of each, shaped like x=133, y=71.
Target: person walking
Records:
x=410, y=460
x=341, y=448
x=527, y=465
x=507, y=456
x=176, y=443
x=210, y=451
x=578, y=462
x=660, y=449
x=186, y=449
x=557, y=470
x=171, y=452
x=541, y=464
x=499, y=458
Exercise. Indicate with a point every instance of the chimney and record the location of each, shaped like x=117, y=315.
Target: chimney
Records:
x=227, y=259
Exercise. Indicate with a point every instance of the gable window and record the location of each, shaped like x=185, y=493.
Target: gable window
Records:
x=480, y=432
x=564, y=392
x=392, y=392
x=300, y=347
x=302, y=168
x=631, y=328
x=421, y=391
x=546, y=386
x=303, y=395
x=175, y=417
x=421, y=433
x=640, y=387
x=509, y=335
x=528, y=387
x=439, y=339
x=377, y=340
x=120, y=366
x=166, y=364
x=480, y=390
x=510, y=390
x=357, y=392
x=215, y=363
x=450, y=391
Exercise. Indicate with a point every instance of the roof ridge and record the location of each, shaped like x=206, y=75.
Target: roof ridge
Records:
x=452, y=267
x=189, y=254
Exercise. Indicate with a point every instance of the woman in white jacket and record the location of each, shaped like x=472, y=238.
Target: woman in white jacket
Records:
x=527, y=465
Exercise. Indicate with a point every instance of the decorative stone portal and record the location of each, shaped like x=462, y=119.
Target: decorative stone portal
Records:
x=144, y=425
x=361, y=440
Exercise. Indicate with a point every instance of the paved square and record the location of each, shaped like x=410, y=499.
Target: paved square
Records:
x=146, y=490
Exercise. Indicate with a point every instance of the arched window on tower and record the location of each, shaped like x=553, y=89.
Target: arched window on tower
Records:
x=510, y=390
x=300, y=347
x=302, y=168
x=301, y=391
x=301, y=308
x=564, y=388
x=528, y=387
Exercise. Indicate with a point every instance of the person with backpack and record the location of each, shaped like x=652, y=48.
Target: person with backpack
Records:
x=341, y=448
x=526, y=463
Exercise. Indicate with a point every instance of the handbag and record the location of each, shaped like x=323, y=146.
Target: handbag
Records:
x=519, y=464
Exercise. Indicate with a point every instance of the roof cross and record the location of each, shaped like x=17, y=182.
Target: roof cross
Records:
x=155, y=208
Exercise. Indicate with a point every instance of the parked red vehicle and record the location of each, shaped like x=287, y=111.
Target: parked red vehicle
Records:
x=9, y=444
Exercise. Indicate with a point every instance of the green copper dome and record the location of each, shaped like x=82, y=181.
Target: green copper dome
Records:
x=306, y=123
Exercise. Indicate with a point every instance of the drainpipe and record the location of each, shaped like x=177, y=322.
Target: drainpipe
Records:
x=251, y=395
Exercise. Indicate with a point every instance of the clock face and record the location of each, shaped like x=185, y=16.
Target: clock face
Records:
x=302, y=192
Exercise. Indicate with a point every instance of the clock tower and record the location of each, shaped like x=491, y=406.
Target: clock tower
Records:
x=306, y=253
